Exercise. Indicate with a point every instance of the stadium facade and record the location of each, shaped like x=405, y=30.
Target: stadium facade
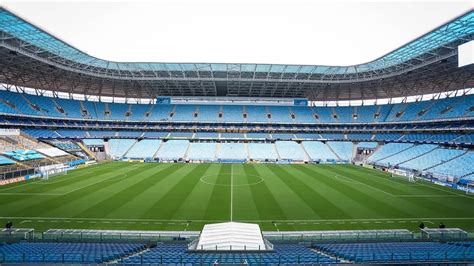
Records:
x=62, y=109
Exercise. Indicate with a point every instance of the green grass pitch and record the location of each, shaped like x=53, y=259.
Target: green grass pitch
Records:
x=153, y=196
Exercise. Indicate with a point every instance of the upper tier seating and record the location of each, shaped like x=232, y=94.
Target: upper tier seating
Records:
x=232, y=136
x=72, y=133
x=206, y=135
x=26, y=104
x=69, y=145
x=367, y=145
x=40, y=133
x=93, y=142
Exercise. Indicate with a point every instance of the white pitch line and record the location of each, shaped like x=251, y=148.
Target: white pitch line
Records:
x=118, y=177
x=231, y=193
x=39, y=181
x=276, y=221
x=453, y=194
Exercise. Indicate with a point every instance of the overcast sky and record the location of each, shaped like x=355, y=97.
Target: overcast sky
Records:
x=239, y=31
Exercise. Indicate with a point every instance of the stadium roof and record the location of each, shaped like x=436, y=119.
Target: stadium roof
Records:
x=37, y=59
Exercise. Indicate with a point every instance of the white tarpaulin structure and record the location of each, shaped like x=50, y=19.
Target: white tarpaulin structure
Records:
x=231, y=236
x=52, y=152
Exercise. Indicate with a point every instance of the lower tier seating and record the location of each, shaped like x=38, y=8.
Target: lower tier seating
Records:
x=66, y=252
x=165, y=253
x=401, y=252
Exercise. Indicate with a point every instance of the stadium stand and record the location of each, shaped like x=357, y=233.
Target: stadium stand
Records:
x=143, y=149
x=172, y=150
x=319, y=151
x=290, y=150
x=23, y=155
x=262, y=152
x=459, y=166
x=367, y=145
x=343, y=149
x=88, y=253
x=231, y=152
x=5, y=161
x=407, y=154
x=435, y=157
x=409, y=112
x=400, y=252
x=26, y=104
x=93, y=142
x=202, y=151
x=118, y=147
x=388, y=150
x=165, y=253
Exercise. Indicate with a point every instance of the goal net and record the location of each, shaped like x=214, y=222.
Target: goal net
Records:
x=52, y=170
x=402, y=174
x=470, y=188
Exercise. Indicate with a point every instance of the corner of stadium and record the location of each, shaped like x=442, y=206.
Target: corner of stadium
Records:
x=107, y=162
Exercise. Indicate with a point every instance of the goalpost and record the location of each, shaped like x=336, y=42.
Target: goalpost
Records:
x=53, y=170
x=402, y=174
x=470, y=188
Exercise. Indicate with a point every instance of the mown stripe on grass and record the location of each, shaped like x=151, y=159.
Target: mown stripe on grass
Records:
x=244, y=206
x=267, y=206
x=313, y=198
x=174, y=198
x=195, y=205
x=35, y=205
x=343, y=195
x=118, y=194
x=306, y=198
x=74, y=206
x=386, y=205
x=219, y=203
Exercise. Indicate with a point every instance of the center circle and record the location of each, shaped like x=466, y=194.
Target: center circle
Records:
x=234, y=180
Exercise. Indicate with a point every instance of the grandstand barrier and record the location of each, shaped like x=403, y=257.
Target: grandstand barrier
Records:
x=9, y=234
x=340, y=235
x=444, y=233
x=9, y=132
x=117, y=235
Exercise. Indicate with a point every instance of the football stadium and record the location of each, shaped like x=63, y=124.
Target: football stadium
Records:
x=213, y=163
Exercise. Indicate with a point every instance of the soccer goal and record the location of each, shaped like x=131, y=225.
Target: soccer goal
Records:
x=402, y=174
x=470, y=188
x=52, y=170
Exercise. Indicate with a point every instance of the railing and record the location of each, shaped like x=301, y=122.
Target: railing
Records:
x=16, y=234
x=416, y=256
x=227, y=248
x=223, y=258
x=117, y=235
x=39, y=257
x=343, y=235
